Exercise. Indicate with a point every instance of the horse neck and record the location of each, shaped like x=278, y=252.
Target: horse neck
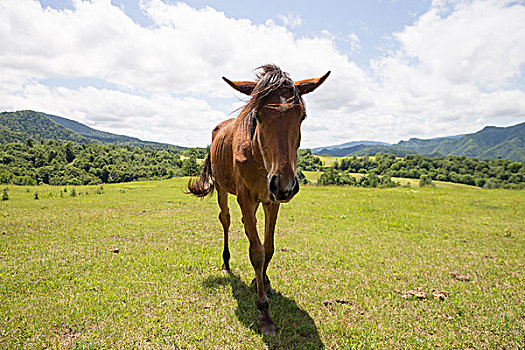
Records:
x=257, y=155
x=250, y=147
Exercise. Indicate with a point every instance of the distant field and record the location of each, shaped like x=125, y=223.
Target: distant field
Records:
x=313, y=176
x=329, y=160
x=440, y=184
x=137, y=266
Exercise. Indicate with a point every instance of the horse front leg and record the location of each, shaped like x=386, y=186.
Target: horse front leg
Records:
x=249, y=208
x=270, y=217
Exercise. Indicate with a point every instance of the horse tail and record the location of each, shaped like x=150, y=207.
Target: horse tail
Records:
x=202, y=186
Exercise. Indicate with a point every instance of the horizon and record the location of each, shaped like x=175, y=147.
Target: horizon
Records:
x=152, y=69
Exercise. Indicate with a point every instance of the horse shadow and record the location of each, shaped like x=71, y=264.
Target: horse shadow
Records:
x=295, y=329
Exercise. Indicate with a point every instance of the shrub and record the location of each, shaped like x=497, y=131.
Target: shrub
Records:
x=386, y=182
x=300, y=176
x=425, y=181
x=5, y=177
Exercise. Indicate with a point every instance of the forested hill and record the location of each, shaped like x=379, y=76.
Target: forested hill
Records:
x=489, y=143
x=22, y=126
x=27, y=125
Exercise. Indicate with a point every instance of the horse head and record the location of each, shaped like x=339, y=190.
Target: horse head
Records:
x=273, y=118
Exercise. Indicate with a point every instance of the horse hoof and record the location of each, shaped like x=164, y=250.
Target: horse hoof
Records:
x=225, y=269
x=268, y=329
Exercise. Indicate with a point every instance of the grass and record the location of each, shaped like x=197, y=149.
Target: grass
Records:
x=440, y=184
x=329, y=160
x=312, y=176
x=137, y=266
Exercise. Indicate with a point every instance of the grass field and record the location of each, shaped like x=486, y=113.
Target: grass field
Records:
x=330, y=160
x=138, y=266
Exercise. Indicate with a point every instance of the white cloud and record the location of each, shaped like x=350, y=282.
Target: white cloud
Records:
x=457, y=63
x=292, y=20
x=353, y=40
x=184, y=53
x=157, y=116
x=481, y=42
x=455, y=67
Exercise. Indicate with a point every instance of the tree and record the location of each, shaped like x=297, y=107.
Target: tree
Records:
x=307, y=161
x=300, y=176
x=70, y=155
x=190, y=166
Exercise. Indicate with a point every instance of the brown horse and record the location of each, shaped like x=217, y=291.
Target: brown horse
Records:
x=254, y=157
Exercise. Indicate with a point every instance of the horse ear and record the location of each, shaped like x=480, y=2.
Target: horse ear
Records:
x=309, y=85
x=246, y=87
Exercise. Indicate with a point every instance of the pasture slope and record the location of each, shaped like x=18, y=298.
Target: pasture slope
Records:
x=137, y=266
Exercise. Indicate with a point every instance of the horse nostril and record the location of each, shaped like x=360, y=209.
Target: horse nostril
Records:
x=274, y=184
x=295, y=186
x=282, y=191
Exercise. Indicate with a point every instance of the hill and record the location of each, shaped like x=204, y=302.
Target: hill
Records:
x=21, y=126
x=490, y=143
x=347, y=148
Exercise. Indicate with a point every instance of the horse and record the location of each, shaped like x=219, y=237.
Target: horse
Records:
x=254, y=157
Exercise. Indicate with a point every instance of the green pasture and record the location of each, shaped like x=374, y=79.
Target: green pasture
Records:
x=330, y=160
x=137, y=266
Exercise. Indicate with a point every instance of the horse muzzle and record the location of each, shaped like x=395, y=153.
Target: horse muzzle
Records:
x=282, y=191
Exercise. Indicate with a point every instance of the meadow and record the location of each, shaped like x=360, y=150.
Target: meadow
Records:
x=330, y=160
x=137, y=265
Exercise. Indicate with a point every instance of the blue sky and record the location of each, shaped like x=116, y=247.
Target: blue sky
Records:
x=152, y=68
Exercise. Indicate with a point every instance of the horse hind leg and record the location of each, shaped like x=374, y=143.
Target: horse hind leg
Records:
x=224, y=217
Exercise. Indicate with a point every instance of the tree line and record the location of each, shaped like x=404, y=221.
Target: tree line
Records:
x=58, y=163
x=485, y=173
x=69, y=163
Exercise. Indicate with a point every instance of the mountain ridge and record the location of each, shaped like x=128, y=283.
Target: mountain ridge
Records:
x=491, y=142
x=348, y=145
x=21, y=126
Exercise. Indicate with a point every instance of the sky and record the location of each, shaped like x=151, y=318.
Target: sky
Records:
x=152, y=68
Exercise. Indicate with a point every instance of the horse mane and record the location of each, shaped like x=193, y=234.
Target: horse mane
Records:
x=270, y=80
